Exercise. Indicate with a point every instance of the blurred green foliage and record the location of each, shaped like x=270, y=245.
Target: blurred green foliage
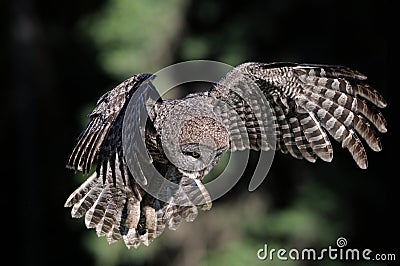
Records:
x=135, y=36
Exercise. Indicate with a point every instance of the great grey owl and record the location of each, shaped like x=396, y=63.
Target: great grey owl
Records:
x=307, y=103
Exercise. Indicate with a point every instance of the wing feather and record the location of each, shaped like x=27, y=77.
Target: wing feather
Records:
x=309, y=100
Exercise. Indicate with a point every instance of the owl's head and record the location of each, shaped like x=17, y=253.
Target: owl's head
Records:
x=202, y=141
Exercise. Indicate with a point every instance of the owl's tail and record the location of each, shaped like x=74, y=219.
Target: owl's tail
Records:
x=105, y=206
x=126, y=211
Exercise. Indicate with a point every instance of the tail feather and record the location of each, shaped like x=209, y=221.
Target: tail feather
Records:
x=110, y=207
x=131, y=238
x=151, y=223
x=110, y=221
x=196, y=193
x=183, y=205
x=190, y=213
x=175, y=214
x=83, y=205
x=114, y=234
x=81, y=191
x=173, y=217
x=95, y=214
x=107, y=214
x=132, y=215
x=160, y=223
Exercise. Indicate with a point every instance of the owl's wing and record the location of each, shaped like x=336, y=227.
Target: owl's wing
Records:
x=111, y=199
x=304, y=102
x=101, y=140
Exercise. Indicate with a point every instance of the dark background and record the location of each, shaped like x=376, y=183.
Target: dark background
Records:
x=52, y=76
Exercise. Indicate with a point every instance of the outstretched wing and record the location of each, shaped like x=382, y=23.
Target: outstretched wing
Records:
x=306, y=101
x=111, y=199
x=99, y=141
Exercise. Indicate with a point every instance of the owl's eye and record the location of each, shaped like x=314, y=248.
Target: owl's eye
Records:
x=195, y=154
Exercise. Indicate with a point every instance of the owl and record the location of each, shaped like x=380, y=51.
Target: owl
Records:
x=294, y=108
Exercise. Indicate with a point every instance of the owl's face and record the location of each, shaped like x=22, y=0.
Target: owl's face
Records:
x=201, y=157
x=202, y=142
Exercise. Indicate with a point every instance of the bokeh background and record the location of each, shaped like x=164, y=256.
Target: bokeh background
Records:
x=58, y=57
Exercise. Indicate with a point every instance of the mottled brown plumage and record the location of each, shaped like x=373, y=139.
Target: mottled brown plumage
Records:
x=285, y=106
